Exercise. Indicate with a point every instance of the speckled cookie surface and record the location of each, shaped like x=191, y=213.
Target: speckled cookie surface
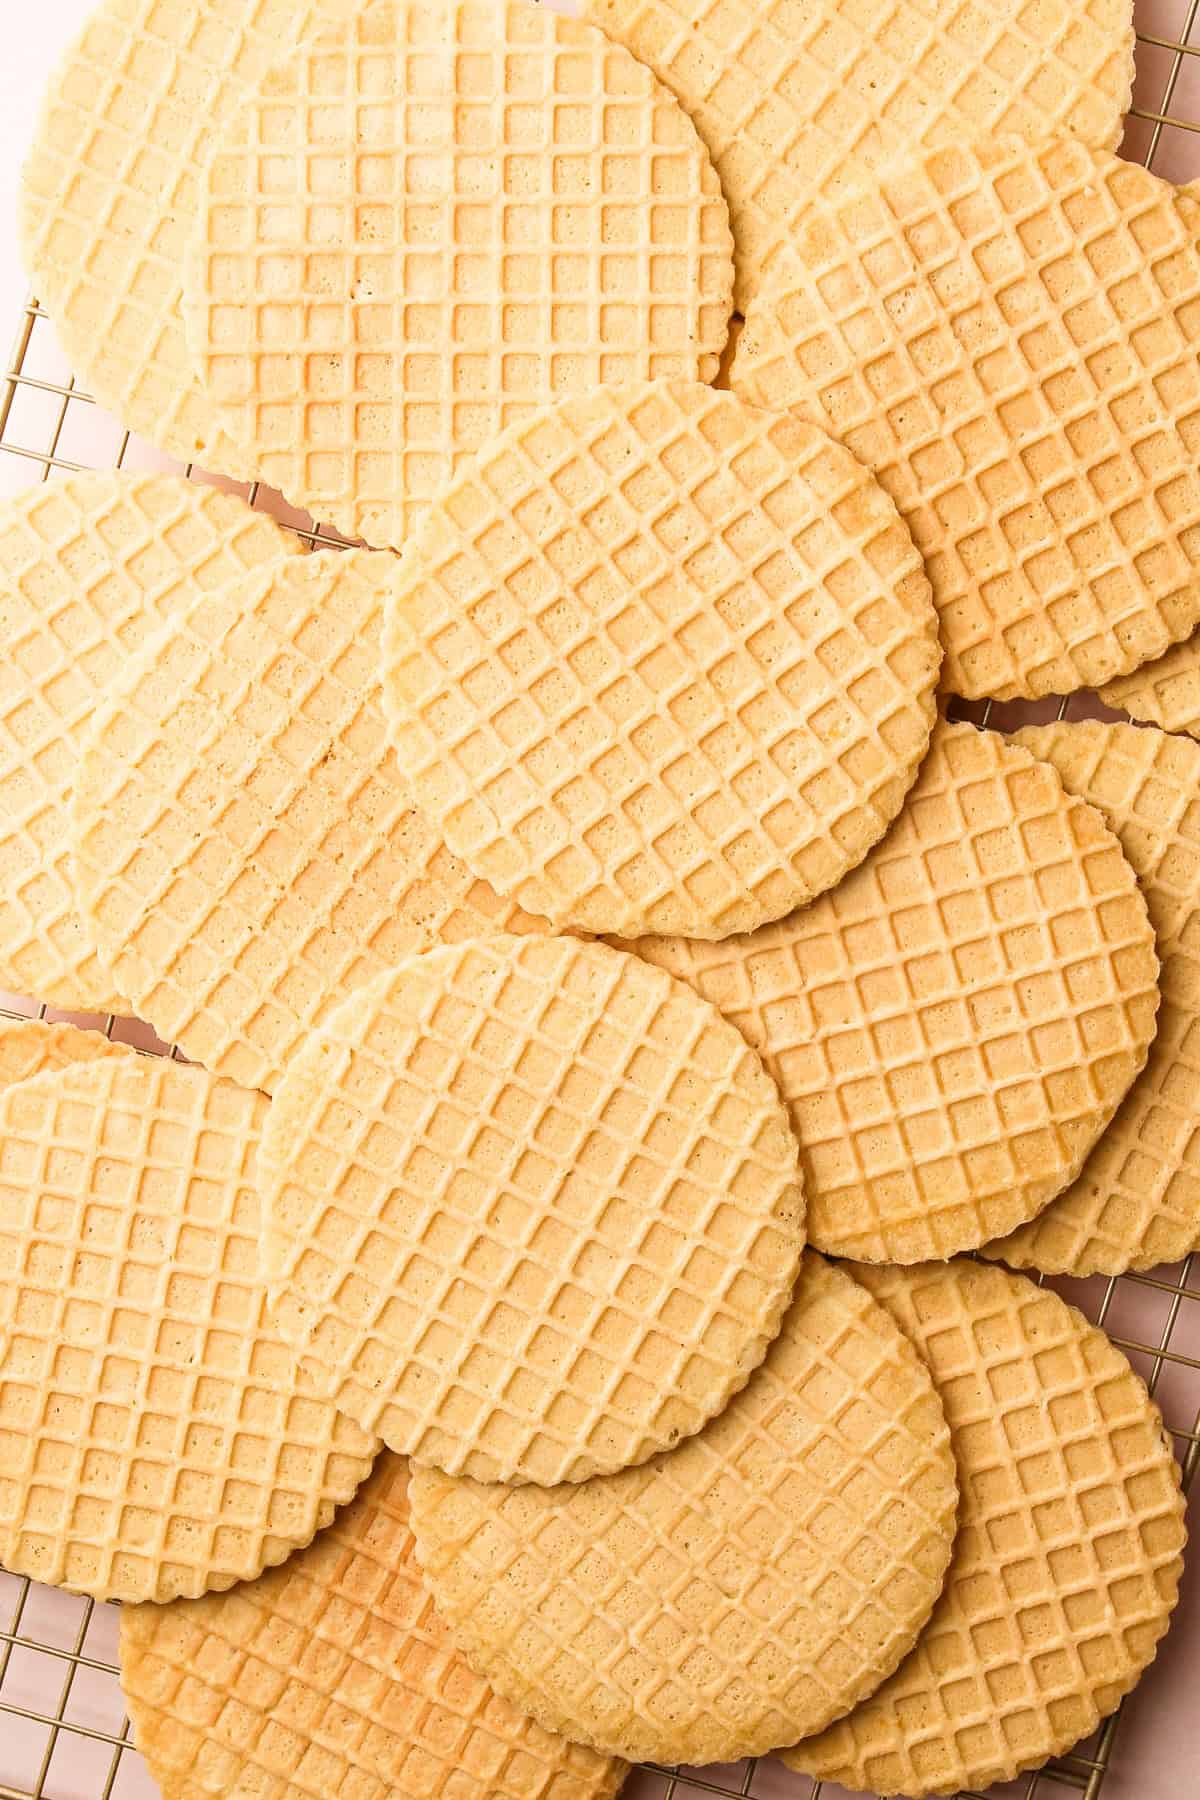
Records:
x=955, y=1024
x=91, y=564
x=661, y=661
x=773, y=1568
x=798, y=103
x=1136, y=1201
x=1069, y=1553
x=246, y=850
x=532, y=1207
x=110, y=194
x=334, y=1675
x=1007, y=336
x=157, y=1437
x=428, y=223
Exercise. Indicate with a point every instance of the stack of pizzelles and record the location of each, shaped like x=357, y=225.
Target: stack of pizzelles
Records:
x=581, y=919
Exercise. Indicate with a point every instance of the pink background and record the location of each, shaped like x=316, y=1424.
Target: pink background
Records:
x=63, y=1734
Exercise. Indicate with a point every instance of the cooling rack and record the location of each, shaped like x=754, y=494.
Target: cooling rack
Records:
x=63, y=1730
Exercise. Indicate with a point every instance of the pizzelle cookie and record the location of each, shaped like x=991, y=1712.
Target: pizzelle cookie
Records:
x=772, y=1569
x=1165, y=692
x=661, y=661
x=91, y=564
x=110, y=194
x=334, y=1675
x=955, y=1024
x=1069, y=1553
x=797, y=105
x=532, y=1207
x=246, y=852
x=1007, y=336
x=1136, y=1201
x=32, y=1046
x=157, y=1437
x=428, y=223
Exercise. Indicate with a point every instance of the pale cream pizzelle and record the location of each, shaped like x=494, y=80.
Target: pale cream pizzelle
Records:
x=1069, y=1552
x=1007, y=336
x=32, y=1046
x=798, y=104
x=430, y=222
x=955, y=1024
x=91, y=564
x=773, y=1569
x=661, y=661
x=532, y=1208
x=246, y=851
x=334, y=1675
x=1136, y=1200
x=157, y=1436
x=110, y=194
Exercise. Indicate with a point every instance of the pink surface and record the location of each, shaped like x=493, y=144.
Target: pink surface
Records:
x=63, y=1735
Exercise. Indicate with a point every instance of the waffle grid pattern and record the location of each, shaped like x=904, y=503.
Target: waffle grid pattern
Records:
x=347, y=1683
x=927, y=1126
x=631, y=607
x=550, y=1215
x=88, y=569
x=104, y=220
x=1069, y=1553
x=321, y=319
x=1137, y=1198
x=794, y=102
x=948, y=317
x=140, y=1372
x=70, y=1717
x=832, y=1467
x=254, y=720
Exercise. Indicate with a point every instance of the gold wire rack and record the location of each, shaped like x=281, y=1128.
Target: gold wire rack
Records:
x=63, y=1730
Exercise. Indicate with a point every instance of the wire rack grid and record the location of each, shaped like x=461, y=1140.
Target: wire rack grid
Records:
x=63, y=1730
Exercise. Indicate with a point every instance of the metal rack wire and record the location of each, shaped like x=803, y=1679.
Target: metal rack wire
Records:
x=63, y=1731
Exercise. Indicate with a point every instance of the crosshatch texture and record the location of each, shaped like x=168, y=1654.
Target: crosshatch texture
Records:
x=953, y=1025
x=1008, y=339
x=727, y=1596
x=798, y=102
x=368, y=306
x=660, y=661
x=157, y=1436
x=1070, y=1548
x=246, y=851
x=31, y=1047
x=334, y=1675
x=61, y=1720
x=533, y=1208
x=1136, y=1202
x=111, y=193
x=90, y=566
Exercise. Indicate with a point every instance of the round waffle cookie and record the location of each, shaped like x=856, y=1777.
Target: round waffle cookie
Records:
x=1008, y=338
x=1165, y=692
x=32, y=1046
x=532, y=1206
x=952, y=1027
x=1136, y=1201
x=90, y=565
x=430, y=222
x=797, y=104
x=156, y=1435
x=334, y=1675
x=110, y=194
x=246, y=852
x=1069, y=1552
x=660, y=661
x=772, y=1569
